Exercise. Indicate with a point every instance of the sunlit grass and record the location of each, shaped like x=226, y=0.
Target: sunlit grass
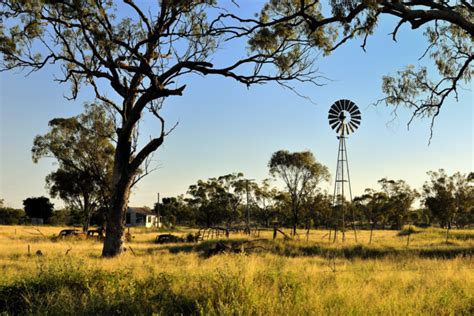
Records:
x=292, y=278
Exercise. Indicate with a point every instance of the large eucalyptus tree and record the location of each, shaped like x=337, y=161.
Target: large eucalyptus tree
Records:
x=136, y=55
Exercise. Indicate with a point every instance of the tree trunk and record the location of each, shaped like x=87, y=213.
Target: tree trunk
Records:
x=295, y=221
x=86, y=218
x=113, y=244
x=371, y=231
x=121, y=183
x=308, y=227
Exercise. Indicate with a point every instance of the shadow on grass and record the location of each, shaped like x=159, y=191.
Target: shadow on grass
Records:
x=298, y=249
x=76, y=291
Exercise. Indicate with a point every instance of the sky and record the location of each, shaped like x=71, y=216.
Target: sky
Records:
x=225, y=127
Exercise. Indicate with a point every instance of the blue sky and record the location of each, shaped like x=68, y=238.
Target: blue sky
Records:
x=225, y=127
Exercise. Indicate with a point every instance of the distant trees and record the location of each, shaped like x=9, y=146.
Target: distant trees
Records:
x=400, y=198
x=38, y=207
x=449, y=199
x=218, y=200
x=301, y=173
x=390, y=206
x=264, y=203
x=175, y=210
x=373, y=206
x=11, y=216
x=82, y=147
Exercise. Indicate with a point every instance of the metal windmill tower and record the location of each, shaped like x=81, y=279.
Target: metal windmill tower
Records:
x=344, y=117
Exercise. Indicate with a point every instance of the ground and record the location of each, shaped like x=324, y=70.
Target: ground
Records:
x=300, y=277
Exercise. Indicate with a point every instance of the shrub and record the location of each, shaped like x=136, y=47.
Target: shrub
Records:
x=11, y=216
x=408, y=230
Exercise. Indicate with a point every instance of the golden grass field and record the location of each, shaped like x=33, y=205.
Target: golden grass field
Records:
x=279, y=277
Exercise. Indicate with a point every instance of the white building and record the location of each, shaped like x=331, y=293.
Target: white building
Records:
x=142, y=216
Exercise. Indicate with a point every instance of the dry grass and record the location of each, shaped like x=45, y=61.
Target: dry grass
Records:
x=280, y=278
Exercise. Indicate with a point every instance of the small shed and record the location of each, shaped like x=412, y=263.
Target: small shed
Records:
x=141, y=216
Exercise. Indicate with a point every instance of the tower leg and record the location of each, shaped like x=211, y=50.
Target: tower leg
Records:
x=339, y=203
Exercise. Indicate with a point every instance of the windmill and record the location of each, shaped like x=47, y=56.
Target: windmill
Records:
x=344, y=117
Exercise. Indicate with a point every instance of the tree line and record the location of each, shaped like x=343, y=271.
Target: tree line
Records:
x=232, y=200
x=446, y=201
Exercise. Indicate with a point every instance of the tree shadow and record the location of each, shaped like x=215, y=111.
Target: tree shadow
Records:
x=207, y=249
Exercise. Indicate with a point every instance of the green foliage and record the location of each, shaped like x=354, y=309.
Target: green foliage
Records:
x=62, y=217
x=301, y=174
x=218, y=200
x=11, y=216
x=82, y=146
x=408, y=230
x=450, y=199
x=174, y=210
x=400, y=198
x=390, y=206
x=38, y=207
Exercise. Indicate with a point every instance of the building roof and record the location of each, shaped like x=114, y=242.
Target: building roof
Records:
x=141, y=210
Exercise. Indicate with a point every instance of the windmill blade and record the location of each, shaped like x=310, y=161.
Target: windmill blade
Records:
x=335, y=108
x=332, y=115
x=347, y=104
x=356, y=123
x=333, y=111
x=333, y=120
x=343, y=104
x=352, y=107
x=345, y=130
x=339, y=128
x=353, y=126
x=338, y=105
x=356, y=120
x=356, y=117
x=335, y=125
x=356, y=112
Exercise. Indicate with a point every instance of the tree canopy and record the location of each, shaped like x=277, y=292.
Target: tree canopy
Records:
x=449, y=199
x=449, y=32
x=301, y=173
x=38, y=207
x=84, y=152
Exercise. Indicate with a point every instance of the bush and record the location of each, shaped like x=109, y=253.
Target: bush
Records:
x=10, y=216
x=60, y=217
x=408, y=230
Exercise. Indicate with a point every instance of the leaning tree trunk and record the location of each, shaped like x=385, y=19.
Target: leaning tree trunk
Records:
x=121, y=182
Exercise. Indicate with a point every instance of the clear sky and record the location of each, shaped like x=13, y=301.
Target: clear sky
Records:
x=225, y=127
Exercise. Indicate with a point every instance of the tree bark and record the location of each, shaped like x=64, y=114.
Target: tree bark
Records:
x=295, y=220
x=121, y=182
